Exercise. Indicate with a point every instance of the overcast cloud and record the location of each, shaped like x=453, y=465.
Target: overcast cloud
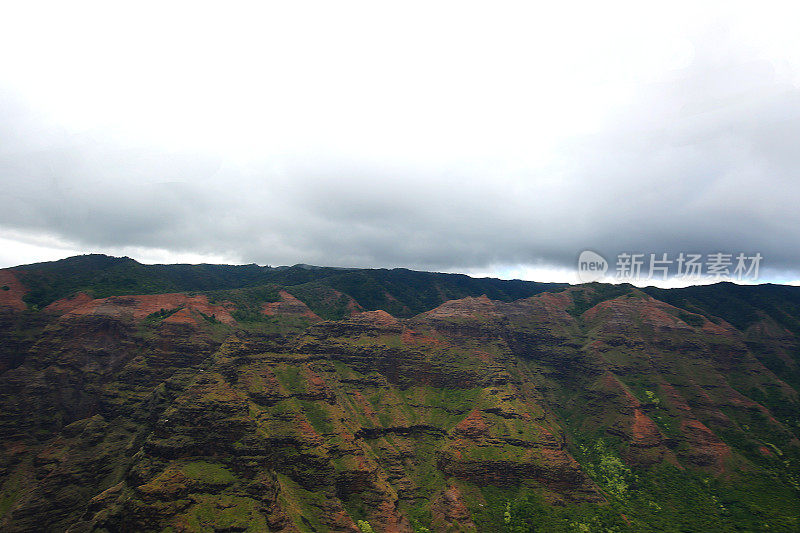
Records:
x=497, y=140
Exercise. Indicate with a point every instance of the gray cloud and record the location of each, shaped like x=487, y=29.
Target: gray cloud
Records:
x=704, y=161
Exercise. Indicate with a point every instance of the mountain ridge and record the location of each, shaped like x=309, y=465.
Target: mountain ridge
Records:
x=282, y=407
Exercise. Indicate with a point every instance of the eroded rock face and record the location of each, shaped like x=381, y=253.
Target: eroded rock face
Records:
x=378, y=318
x=465, y=307
x=289, y=306
x=449, y=511
x=139, y=307
x=11, y=291
x=66, y=305
x=114, y=420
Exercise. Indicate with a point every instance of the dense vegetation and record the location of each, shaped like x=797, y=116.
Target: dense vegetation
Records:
x=246, y=412
x=399, y=291
x=740, y=305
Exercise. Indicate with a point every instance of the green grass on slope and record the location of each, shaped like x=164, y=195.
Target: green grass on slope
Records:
x=661, y=499
x=404, y=292
x=587, y=296
x=740, y=305
x=399, y=291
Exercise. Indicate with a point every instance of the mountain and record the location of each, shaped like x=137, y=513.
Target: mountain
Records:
x=244, y=398
x=400, y=291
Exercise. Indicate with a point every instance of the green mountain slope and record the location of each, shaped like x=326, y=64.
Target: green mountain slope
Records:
x=289, y=403
x=399, y=291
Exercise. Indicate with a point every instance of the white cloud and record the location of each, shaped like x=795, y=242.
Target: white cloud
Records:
x=449, y=136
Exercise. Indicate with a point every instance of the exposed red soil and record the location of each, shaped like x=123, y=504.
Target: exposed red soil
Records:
x=645, y=432
x=289, y=306
x=13, y=296
x=546, y=308
x=486, y=357
x=626, y=311
x=552, y=453
x=353, y=306
x=391, y=298
x=473, y=426
x=389, y=519
x=702, y=398
x=450, y=511
x=140, y=306
x=707, y=448
x=656, y=315
x=723, y=328
x=307, y=431
x=366, y=407
x=315, y=384
x=608, y=306
x=674, y=398
x=660, y=315
x=184, y=316
x=555, y=301
x=411, y=337
x=740, y=400
x=379, y=318
x=315, y=381
x=68, y=304
x=481, y=306
x=610, y=381
x=763, y=450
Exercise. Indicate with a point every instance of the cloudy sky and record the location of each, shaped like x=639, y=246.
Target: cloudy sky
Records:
x=493, y=138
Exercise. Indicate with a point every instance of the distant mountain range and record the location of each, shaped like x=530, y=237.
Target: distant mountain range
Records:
x=245, y=398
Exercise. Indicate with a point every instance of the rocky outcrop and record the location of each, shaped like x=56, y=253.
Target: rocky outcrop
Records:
x=11, y=291
x=116, y=415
